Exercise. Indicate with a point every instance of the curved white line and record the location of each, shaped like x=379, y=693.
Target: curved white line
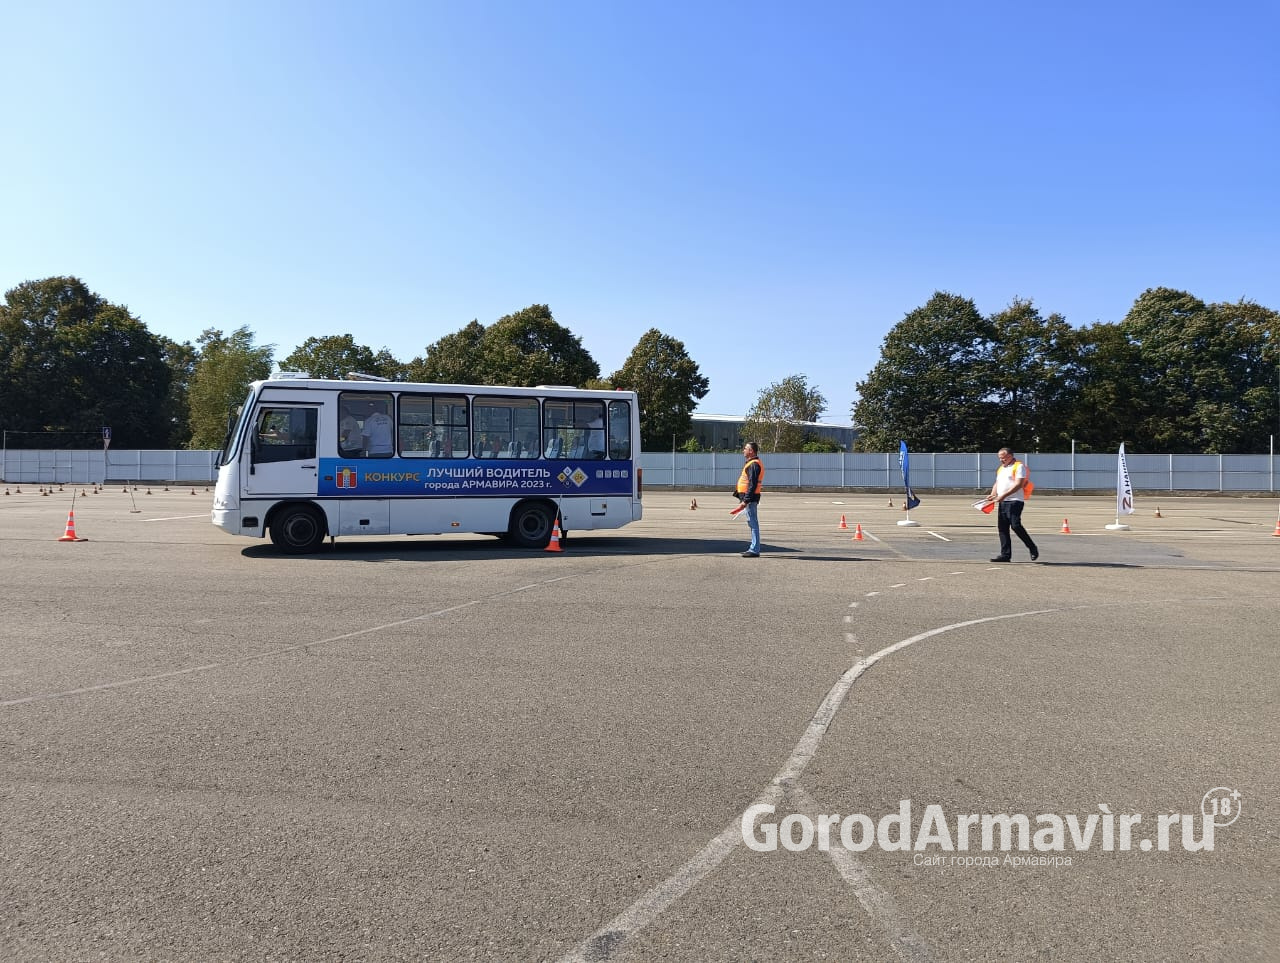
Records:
x=602, y=944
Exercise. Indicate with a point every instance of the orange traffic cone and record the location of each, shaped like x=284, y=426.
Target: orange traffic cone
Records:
x=554, y=544
x=70, y=534
x=1158, y=515
x=857, y=533
x=844, y=526
x=1276, y=533
x=1066, y=529
x=693, y=505
x=890, y=502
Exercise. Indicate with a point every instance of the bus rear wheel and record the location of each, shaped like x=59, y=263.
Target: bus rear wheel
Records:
x=531, y=524
x=297, y=529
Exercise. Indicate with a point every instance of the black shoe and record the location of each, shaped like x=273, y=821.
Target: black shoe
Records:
x=1034, y=556
x=1001, y=558
x=750, y=554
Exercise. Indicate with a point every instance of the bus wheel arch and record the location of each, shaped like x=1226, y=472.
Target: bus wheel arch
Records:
x=531, y=522
x=297, y=528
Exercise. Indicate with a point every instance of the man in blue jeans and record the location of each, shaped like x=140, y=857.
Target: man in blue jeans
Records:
x=1008, y=495
x=750, y=484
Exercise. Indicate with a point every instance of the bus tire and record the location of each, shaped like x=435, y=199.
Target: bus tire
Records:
x=297, y=529
x=531, y=524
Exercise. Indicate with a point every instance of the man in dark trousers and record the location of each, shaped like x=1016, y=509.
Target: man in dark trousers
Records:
x=750, y=484
x=1009, y=494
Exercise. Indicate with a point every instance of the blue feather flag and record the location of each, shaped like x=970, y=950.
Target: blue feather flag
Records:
x=912, y=501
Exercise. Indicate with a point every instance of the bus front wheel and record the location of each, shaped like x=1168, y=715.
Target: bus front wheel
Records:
x=297, y=529
x=531, y=524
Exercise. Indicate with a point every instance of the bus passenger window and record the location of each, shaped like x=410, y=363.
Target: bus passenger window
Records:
x=619, y=430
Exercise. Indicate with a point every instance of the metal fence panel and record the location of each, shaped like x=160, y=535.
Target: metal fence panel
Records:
x=956, y=471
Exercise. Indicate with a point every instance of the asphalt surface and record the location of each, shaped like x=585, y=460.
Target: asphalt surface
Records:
x=446, y=749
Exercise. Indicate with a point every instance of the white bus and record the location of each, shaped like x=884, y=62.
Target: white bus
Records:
x=307, y=459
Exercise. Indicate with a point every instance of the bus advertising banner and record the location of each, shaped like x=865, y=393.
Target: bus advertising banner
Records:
x=380, y=478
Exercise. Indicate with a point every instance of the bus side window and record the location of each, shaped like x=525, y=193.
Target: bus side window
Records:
x=285, y=434
x=620, y=429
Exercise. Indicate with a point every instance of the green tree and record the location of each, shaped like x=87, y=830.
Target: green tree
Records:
x=1035, y=375
x=337, y=355
x=456, y=358
x=73, y=362
x=521, y=349
x=181, y=359
x=1164, y=326
x=816, y=444
x=220, y=381
x=775, y=421
x=668, y=384
x=933, y=384
x=531, y=348
x=1256, y=330
x=1203, y=372
x=1110, y=390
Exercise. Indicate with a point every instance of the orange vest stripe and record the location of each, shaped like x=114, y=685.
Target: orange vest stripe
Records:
x=1027, y=487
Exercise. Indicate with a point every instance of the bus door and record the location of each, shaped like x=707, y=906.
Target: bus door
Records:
x=282, y=451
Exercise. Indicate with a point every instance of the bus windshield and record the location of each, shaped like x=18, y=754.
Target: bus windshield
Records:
x=235, y=420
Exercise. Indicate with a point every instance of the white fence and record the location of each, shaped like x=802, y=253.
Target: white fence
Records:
x=968, y=472
x=929, y=471
x=27, y=466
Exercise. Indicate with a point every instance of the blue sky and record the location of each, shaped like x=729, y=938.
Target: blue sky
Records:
x=775, y=185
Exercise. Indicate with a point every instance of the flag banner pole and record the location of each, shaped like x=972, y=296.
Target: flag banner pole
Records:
x=1124, y=494
x=910, y=501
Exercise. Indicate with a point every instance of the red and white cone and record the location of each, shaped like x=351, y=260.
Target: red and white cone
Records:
x=70, y=534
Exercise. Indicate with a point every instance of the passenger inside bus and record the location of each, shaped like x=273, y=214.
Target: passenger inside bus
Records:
x=377, y=432
x=349, y=440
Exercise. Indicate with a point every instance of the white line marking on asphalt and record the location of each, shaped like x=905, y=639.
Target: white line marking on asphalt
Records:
x=274, y=651
x=898, y=585
x=943, y=537
x=927, y=578
x=174, y=518
x=870, y=594
x=601, y=944
x=879, y=905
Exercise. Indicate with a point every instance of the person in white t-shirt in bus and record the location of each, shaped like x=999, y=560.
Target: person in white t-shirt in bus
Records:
x=378, y=432
x=1009, y=492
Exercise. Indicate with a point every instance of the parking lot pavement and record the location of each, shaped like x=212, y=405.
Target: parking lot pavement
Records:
x=448, y=749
